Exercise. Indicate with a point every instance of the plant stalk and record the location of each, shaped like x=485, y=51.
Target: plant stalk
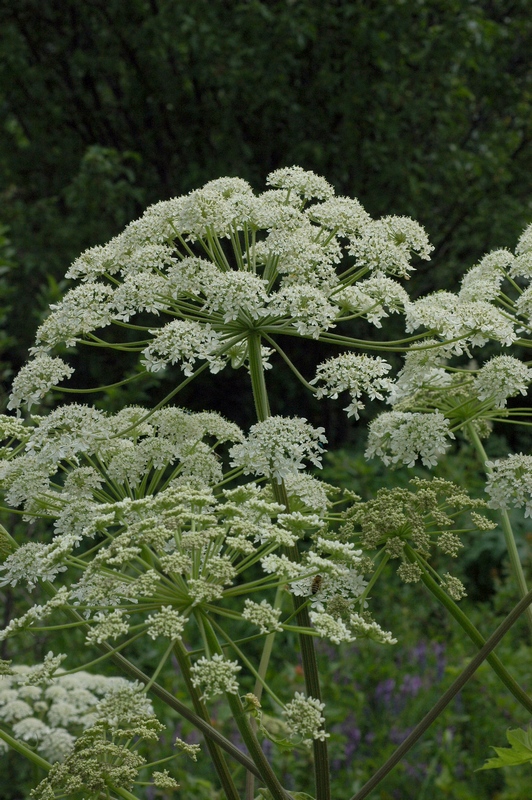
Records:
x=445, y=699
x=515, y=561
x=308, y=653
x=473, y=633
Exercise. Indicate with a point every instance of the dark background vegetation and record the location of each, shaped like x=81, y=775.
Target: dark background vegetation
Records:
x=420, y=107
x=416, y=107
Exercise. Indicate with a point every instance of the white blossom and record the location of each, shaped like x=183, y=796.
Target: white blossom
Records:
x=277, y=447
x=455, y=318
x=183, y=342
x=355, y=374
x=107, y=626
x=403, y=437
x=83, y=309
x=343, y=215
x=303, y=182
x=370, y=629
x=385, y=245
x=262, y=614
x=304, y=718
x=424, y=367
x=307, y=492
x=167, y=622
x=36, y=378
x=330, y=628
x=371, y=298
x=510, y=483
x=215, y=676
x=502, y=377
x=236, y=295
x=483, y=282
x=308, y=308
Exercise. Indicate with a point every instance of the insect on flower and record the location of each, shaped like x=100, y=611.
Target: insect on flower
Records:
x=316, y=584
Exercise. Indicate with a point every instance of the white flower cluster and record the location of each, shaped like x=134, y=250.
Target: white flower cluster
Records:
x=331, y=628
x=370, y=629
x=371, y=298
x=356, y=374
x=332, y=579
x=48, y=710
x=424, y=367
x=304, y=718
x=502, y=377
x=198, y=537
x=385, y=245
x=510, y=483
x=278, y=270
x=36, y=378
x=278, y=446
x=184, y=342
x=522, y=266
x=466, y=321
x=401, y=437
x=262, y=614
x=301, y=181
x=215, y=676
x=483, y=282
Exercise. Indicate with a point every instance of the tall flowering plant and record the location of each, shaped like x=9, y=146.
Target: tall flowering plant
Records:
x=179, y=529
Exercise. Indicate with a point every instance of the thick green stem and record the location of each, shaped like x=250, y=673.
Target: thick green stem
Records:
x=215, y=753
x=446, y=698
x=262, y=670
x=515, y=561
x=308, y=653
x=474, y=634
x=246, y=731
x=256, y=372
x=25, y=751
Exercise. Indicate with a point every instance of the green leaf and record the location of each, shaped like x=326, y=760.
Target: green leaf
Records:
x=520, y=751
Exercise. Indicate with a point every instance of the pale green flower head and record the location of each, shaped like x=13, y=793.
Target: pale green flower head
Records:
x=305, y=719
x=215, y=676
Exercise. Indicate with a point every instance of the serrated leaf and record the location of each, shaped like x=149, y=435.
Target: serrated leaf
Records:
x=520, y=751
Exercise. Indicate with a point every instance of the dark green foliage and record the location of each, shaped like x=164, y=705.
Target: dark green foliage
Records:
x=419, y=108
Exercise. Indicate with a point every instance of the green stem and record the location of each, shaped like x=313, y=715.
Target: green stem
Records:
x=261, y=678
x=515, y=561
x=25, y=751
x=308, y=653
x=473, y=633
x=258, y=383
x=446, y=698
x=162, y=662
x=215, y=753
x=242, y=720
